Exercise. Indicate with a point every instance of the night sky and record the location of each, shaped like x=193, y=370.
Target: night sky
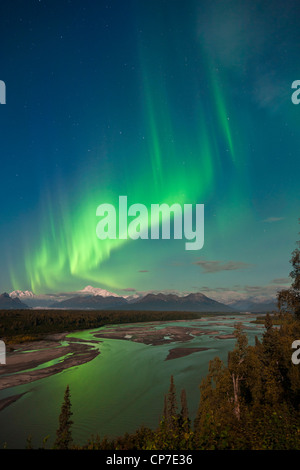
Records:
x=165, y=101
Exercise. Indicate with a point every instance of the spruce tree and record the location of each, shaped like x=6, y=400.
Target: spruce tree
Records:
x=184, y=421
x=165, y=413
x=172, y=406
x=268, y=322
x=63, y=433
x=165, y=419
x=295, y=273
x=236, y=366
x=289, y=299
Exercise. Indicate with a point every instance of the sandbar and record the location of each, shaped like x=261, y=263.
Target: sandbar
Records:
x=151, y=335
x=175, y=353
x=9, y=400
x=21, y=364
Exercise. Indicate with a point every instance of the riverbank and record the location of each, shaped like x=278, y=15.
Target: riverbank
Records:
x=22, y=365
x=9, y=400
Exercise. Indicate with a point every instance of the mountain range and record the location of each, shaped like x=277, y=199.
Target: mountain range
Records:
x=191, y=302
x=250, y=305
x=96, y=302
x=168, y=302
x=93, y=298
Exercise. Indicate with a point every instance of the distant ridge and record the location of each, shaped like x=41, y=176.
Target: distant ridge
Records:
x=8, y=303
x=192, y=302
x=96, y=302
x=155, y=302
x=255, y=307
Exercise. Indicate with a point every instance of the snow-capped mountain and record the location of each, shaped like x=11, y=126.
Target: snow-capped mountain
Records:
x=33, y=300
x=89, y=290
x=20, y=294
x=46, y=300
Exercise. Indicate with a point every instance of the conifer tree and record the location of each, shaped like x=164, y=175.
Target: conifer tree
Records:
x=165, y=418
x=268, y=322
x=289, y=299
x=165, y=414
x=64, y=435
x=184, y=420
x=172, y=405
x=236, y=366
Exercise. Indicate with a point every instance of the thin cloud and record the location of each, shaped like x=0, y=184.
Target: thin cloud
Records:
x=221, y=30
x=165, y=291
x=252, y=289
x=271, y=92
x=281, y=280
x=217, y=266
x=270, y=220
x=266, y=293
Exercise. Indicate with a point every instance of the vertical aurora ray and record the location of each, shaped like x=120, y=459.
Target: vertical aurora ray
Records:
x=181, y=163
x=230, y=149
x=155, y=149
x=223, y=117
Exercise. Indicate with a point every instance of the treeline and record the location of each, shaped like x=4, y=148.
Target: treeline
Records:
x=18, y=325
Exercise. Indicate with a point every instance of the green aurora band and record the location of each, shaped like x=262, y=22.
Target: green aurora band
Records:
x=176, y=168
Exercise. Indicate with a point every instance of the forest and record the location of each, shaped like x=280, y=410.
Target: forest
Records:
x=18, y=326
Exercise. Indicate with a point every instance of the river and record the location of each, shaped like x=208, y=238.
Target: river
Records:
x=121, y=389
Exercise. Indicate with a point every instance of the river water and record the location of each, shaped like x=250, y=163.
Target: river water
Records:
x=121, y=389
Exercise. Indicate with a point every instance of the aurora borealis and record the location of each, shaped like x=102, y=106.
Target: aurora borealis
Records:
x=164, y=101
